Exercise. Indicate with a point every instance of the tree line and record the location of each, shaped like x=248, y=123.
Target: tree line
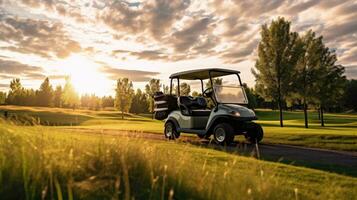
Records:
x=298, y=70
x=125, y=99
x=44, y=96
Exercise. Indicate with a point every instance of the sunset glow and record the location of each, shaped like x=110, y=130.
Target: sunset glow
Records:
x=97, y=42
x=85, y=75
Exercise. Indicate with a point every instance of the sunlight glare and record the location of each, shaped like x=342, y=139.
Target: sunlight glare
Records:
x=85, y=75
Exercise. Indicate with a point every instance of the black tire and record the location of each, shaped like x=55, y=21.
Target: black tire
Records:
x=170, y=131
x=223, y=134
x=254, y=133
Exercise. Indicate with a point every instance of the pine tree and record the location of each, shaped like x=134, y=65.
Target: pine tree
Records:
x=45, y=94
x=16, y=92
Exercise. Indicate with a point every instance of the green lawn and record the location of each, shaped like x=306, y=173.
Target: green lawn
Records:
x=39, y=162
x=340, y=132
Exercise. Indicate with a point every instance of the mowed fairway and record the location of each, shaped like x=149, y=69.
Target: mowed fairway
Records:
x=339, y=133
x=40, y=162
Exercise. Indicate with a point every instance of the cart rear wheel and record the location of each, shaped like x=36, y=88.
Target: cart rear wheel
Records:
x=170, y=131
x=254, y=133
x=223, y=134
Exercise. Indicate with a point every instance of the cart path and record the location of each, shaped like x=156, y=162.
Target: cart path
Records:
x=330, y=160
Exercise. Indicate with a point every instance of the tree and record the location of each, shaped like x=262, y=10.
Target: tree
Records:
x=185, y=89
x=140, y=103
x=57, y=97
x=278, y=53
x=150, y=89
x=70, y=98
x=124, y=95
x=15, y=93
x=166, y=89
x=331, y=81
x=252, y=102
x=107, y=101
x=306, y=73
x=351, y=95
x=2, y=98
x=29, y=97
x=91, y=102
x=45, y=94
x=195, y=94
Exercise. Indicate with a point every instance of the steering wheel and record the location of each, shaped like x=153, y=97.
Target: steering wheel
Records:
x=208, y=92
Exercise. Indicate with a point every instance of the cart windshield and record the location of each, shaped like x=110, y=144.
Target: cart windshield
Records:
x=228, y=89
x=230, y=94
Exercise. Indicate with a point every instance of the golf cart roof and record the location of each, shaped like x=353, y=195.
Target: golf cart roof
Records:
x=203, y=73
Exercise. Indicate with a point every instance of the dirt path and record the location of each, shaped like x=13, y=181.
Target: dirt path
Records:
x=329, y=160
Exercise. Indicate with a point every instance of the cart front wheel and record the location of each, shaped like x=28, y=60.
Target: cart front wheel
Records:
x=223, y=134
x=254, y=133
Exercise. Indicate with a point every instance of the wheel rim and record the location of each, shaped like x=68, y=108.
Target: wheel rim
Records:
x=220, y=134
x=168, y=132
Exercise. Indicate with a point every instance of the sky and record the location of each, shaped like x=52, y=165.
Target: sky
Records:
x=95, y=42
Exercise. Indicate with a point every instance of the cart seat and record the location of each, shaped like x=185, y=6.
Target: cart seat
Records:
x=193, y=106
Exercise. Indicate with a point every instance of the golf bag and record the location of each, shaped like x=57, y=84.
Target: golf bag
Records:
x=164, y=104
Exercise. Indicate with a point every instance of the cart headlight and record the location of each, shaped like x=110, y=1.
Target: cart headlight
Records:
x=235, y=113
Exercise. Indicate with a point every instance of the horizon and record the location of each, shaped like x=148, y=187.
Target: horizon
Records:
x=98, y=42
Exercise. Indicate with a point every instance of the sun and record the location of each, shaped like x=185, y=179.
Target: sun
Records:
x=85, y=75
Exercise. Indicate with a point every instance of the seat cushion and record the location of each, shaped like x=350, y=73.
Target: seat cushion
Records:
x=200, y=112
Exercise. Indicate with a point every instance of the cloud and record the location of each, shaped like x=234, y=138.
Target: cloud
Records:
x=133, y=75
x=349, y=56
x=61, y=7
x=57, y=76
x=347, y=8
x=235, y=55
x=39, y=37
x=163, y=14
x=38, y=3
x=246, y=9
x=301, y=6
x=340, y=29
x=155, y=17
x=10, y=69
x=351, y=72
x=4, y=85
x=14, y=67
x=145, y=54
x=184, y=39
x=169, y=30
x=5, y=76
x=121, y=17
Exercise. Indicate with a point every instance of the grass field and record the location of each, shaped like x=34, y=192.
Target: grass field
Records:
x=40, y=162
x=340, y=132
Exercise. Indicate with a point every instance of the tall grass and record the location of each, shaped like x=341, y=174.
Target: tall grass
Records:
x=41, y=163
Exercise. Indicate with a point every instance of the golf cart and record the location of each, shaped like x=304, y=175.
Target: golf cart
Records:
x=227, y=117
